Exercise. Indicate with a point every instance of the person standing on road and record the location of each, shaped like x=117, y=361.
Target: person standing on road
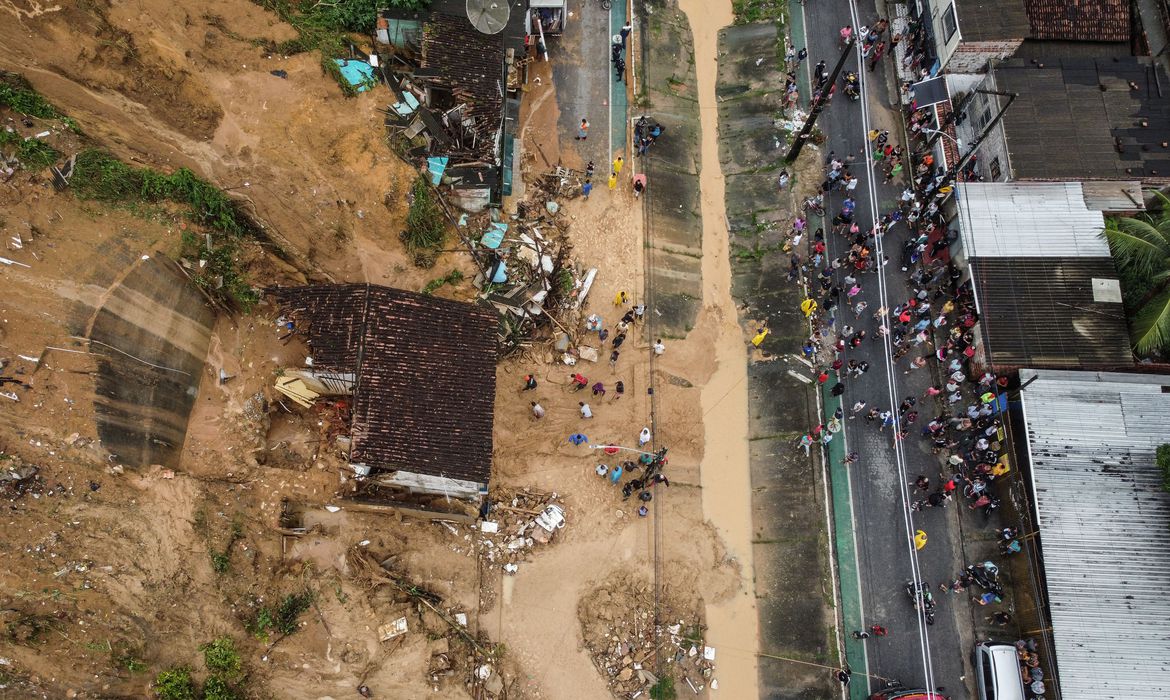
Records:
x=625, y=32
x=639, y=184
x=586, y=188
x=583, y=130
x=876, y=58
x=612, y=181
x=617, y=165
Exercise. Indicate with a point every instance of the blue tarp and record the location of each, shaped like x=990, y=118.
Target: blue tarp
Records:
x=494, y=236
x=357, y=73
x=437, y=165
x=406, y=107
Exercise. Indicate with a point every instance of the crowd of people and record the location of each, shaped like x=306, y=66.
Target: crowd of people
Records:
x=930, y=331
x=650, y=465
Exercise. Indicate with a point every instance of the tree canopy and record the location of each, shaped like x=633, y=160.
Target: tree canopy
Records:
x=1141, y=249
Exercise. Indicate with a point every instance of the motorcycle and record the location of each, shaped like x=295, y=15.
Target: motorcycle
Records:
x=852, y=90
x=922, y=599
x=986, y=574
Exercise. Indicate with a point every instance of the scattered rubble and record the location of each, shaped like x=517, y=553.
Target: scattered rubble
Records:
x=517, y=523
x=454, y=650
x=617, y=623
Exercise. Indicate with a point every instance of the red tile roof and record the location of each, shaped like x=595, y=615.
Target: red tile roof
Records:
x=1079, y=20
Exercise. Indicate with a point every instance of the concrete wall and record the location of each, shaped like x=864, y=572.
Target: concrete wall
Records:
x=936, y=10
x=980, y=112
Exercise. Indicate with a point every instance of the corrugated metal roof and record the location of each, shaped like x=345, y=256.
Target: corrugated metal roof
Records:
x=1103, y=528
x=1114, y=195
x=1042, y=312
x=1029, y=220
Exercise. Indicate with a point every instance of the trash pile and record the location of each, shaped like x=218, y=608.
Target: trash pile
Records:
x=517, y=522
x=617, y=622
x=18, y=479
x=453, y=650
x=528, y=274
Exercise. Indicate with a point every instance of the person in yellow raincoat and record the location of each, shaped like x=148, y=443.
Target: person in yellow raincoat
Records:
x=919, y=539
x=808, y=306
x=760, y=336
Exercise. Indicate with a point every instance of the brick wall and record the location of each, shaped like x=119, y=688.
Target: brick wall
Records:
x=972, y=56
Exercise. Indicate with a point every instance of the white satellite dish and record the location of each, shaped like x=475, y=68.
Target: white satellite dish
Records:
x=489, y=16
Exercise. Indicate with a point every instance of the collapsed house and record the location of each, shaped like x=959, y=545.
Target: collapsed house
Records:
x=420, y=374
x=455, y=72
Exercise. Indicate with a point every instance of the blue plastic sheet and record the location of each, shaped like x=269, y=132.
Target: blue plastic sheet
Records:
x=407, y=106
x=494, y=236
x=357, y=73
x=437, y=165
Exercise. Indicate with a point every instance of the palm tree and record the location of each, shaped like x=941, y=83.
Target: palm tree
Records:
x=1141, y=249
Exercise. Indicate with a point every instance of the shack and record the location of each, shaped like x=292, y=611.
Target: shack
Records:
x=420, y=372
x=456, y=72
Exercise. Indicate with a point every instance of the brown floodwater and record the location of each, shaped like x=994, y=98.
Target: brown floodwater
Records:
x=733, y=626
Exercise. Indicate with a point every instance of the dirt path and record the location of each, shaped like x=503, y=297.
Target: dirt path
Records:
x=725, y=479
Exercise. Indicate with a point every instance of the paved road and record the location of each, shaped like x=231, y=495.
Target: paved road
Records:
x=880, y=484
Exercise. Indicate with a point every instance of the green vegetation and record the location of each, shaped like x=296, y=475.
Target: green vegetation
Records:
x=663, y=689
x=220, y=657
x=1141, y=249
x=18, y=95
x=226, y=671
x=175, y=684
x=33, y=154
x=100, y=176
x=284, y=619
x=1162, y=459
x=425, y=224
x=216, y=688
x=452, y=277
x=749, y=11
x=324, y=26
x=221, y=562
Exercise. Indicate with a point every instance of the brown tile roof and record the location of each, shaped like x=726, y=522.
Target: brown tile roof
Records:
x=472, y=66
x=1079, y=20
x=426, y=369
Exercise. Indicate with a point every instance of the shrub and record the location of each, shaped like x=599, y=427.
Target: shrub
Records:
x=284, y=618
x=18, y=95
x=217, y=688
x=175, y=684
x=221, y=657
x=425, y=224
x=663, y=689
x=1162, y=459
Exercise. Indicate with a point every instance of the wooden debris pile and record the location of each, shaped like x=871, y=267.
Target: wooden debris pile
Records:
x=626, y=645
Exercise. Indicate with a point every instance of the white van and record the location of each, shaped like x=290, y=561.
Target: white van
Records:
x=998, y=669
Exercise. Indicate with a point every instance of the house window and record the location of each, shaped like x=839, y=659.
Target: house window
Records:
x=996, y=170
x=950, y=23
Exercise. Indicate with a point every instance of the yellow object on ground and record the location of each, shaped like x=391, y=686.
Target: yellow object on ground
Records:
x=919, y=539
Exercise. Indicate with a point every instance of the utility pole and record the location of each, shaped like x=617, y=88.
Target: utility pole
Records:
x=952, y=118
x=958, y=166
x=818, y=105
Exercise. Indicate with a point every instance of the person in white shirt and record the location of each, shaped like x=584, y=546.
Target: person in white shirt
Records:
x=659, y=348
x=586, y=412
